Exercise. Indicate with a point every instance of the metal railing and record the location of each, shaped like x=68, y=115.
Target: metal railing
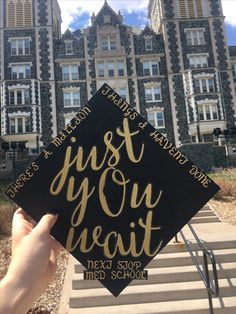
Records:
x=211, y=284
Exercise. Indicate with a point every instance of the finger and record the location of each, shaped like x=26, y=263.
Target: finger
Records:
x=30, y=219
x=45, y=224
x=18, y=219
x=56, y=246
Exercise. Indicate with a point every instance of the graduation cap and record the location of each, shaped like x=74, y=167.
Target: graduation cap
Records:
x=121, y=189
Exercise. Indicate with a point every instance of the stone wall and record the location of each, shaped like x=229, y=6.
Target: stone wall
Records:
x=205, y=155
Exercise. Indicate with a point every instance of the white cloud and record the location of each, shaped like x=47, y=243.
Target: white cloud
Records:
x=71, y=7
x=229, y=9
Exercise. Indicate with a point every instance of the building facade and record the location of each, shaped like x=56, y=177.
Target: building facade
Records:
x=178, y=73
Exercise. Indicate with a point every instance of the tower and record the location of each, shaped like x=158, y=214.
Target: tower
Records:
x=198, y=63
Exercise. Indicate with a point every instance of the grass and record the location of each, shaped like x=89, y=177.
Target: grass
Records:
x=226, y=179
x=7, y=208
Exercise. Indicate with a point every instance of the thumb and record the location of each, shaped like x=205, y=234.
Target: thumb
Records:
x=46, y=223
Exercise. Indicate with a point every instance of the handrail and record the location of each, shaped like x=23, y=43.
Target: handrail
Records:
x=212, y=286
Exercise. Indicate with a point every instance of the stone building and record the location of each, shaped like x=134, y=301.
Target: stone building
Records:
x=179, y=73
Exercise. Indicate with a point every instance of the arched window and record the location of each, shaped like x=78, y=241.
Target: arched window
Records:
x=11, y=18
x=28, y=13
x=19, y=14
x=190, y=8
x=183, y=11
x=199, y=8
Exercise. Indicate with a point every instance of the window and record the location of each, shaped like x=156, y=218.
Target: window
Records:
x=19, y=125
x=121, y=68
x=69, y=48
x=198, y=61
x=207, y=112
x=70, y=72
x=234, y=70
x=20, y=71
x=122, y=92
x=20, y=47
x=19, y=13
x=150, y=68
x=148, y=45
x=101, y=69
x=204, y=85
x=195, y=37
x=153, y=93
x=19, y=97
x=111, y=71
x=111, y=68
x=12, y=98
x=108, y=42
x=72, y=99
x=156, y=118
x=190, y=8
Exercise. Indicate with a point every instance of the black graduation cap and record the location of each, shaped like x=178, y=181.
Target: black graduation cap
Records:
x=121, y=189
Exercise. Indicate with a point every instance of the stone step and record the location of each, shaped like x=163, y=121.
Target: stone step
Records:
x=199, y=220
x=205, y=213
x=226, y=305
x=162, y=275
x=148, y=293
x=180, y=248
x=173, y=247
x=181, y=259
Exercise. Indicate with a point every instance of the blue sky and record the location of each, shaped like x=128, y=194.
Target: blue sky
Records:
x=76, y=13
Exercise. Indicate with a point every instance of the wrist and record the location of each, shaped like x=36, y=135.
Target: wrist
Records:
x=13, y=297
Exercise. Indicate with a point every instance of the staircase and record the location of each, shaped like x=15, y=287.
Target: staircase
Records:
x=174, y=284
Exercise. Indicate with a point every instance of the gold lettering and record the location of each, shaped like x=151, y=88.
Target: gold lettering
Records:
x=128, y=141
x=56, y=141
x=183, y=160
x=102, y=197
x=106, y=90
x=147, y=195
x=92, y=156
x=85, y=195
x=115, y=152
x=56, y=187
x=147, y=226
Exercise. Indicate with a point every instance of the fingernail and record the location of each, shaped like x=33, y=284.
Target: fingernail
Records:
x=52, y=211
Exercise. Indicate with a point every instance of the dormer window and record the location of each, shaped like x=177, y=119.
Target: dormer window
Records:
x=69, y=48
x=107, y=19
x=108, y=42
x=148, y=44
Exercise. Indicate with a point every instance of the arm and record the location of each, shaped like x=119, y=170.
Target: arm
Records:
x=33, y=263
